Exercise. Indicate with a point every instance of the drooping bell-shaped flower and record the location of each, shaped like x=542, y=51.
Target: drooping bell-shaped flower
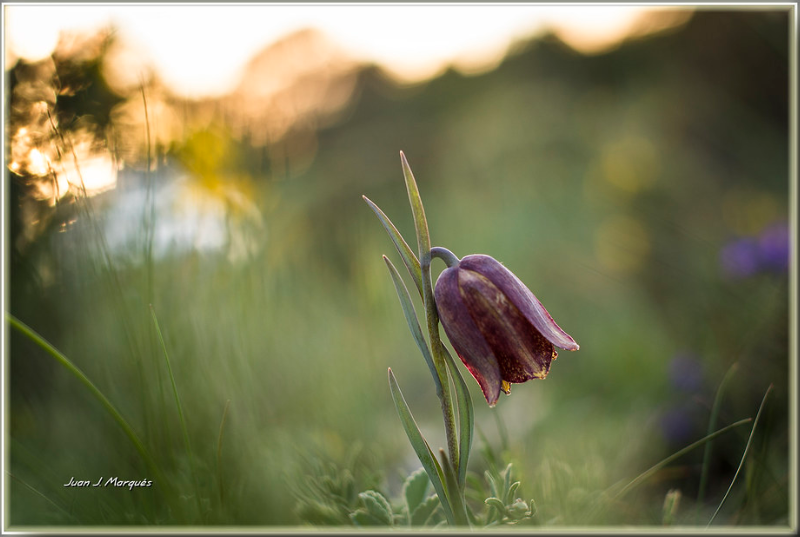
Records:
x=497, y=326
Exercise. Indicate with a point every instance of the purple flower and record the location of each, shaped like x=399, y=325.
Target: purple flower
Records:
x=676, y=425
x=740, y=258
x=686, y=372
x=499, y=329
x=773, y=246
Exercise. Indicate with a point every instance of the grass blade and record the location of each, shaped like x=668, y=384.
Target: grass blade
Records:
x=413, y=322
x=652, y=470
x=466, y=418
x=77, y=373
x=184, y=430
x=421, y=447
x=219, y=451
x=712, y=422
x=406, y=253
x=744, y=456
x=43, y=496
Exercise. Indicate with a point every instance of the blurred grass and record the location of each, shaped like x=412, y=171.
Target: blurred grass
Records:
x=608, y=184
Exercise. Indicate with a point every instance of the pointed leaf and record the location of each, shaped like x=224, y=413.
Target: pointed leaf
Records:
x=420, y=222
x=414, y=489
x=420, y=445
x=377, y=506
x=456, y=497
x=511, y=490
x=406, y=253
x=413, y=323
x=507, y=477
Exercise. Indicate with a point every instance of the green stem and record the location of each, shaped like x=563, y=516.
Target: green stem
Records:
x=439, y=359
x=424, y=247
x=445, y=255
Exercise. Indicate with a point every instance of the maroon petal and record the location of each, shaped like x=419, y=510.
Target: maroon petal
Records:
x=521, y=297
x=465, y=336
x=521, y=351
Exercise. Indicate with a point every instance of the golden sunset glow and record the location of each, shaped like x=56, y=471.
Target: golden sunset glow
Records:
x=207, y=54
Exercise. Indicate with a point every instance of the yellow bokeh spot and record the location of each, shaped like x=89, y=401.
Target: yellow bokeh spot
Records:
x=746, y=210
x=630, y=164
x=622, y=244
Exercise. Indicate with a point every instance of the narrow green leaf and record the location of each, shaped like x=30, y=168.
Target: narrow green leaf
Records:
x=507, y=478
x=420, y=446
x=420, y=222
x=466, y=417
x=492, y=484
x=744, y=455
x=511, y=491
x=424, y=511
x=184, y=429
x=44, y=497
x=77, y=373
x=456, y=497
x=219, y=453
x=377, y=506
x=656, y=467
x=406, y=253
x=712, y=423
x=413, y=323
x=414, y=490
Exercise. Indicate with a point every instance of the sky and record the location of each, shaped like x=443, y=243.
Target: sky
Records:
x=201, y=50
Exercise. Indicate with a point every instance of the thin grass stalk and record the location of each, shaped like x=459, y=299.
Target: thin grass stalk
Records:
x=712, y=422
x=184, y=429
x=110, y=271
x=42, y=495
x=744, y=456
x=150, y=204
x=77, y=373
x=219, y=453
x=658, y=466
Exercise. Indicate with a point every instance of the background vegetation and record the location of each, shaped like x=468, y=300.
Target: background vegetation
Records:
x=642, y=194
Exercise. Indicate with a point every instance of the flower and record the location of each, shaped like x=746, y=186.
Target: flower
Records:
x=497, y=326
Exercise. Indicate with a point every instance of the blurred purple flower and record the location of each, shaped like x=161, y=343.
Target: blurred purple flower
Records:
x=740, y=258
x=676, y=425
x=773, y=245
x=743, y=257
x=686, y=372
